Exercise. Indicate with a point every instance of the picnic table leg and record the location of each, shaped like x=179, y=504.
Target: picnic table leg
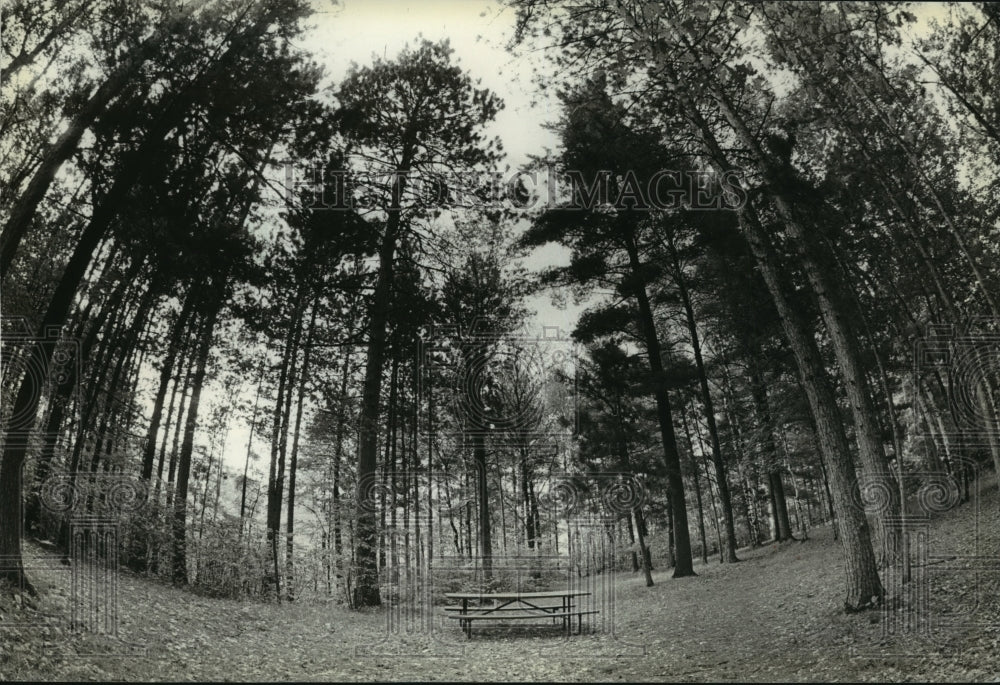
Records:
x=466, y=625
x=569, y=619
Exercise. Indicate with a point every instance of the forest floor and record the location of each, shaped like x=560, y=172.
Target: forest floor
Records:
x=775, y=616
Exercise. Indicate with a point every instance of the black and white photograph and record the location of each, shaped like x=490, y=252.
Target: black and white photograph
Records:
x=499, y=341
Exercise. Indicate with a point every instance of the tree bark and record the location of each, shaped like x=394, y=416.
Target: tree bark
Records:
x=864, y=589
x=826, y=291
x=697, y=488
x=483, y=500
x=725, y=499
x=180, y=574
x=23, y=210
x=366, y=588
x=684, y=565
x=758, y=392
x=166, y=372
x=246, y=463
x=293, y=467
x=279, y=436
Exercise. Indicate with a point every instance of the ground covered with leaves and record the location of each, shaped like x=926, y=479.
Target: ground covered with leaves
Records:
x=775, y=616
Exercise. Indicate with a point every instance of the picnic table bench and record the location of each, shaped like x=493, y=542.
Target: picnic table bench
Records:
x=516, y=606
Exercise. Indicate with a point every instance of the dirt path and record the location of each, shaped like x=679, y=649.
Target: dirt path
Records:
x=776, y=616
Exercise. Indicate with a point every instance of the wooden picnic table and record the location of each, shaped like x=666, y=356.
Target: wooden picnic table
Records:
x=527, y=605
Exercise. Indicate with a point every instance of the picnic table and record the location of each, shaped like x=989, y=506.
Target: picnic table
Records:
x=516, y=606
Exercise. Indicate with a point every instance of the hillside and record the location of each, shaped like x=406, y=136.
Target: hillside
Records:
x=775, y=616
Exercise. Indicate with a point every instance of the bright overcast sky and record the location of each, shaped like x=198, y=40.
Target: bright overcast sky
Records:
x=355, y=30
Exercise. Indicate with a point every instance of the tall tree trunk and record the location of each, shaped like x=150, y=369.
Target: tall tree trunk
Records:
x=829, y=298
x=23, y=210
x=60, y=402
x=417, y=528
x=725, y=499
x=864, y=589
x=430, y=460
x=338, y=456
x=630, y=529
x=126, y=343
x=366, y=588
x=26, y=402
x=389, y=460
x=715, y=514
x=697, y=487
x=762, y=407
x=626, y=463
x=180, y=574
x=253, y=429
x=180, y=364
x=803, y=523
x=684, y=565
x=113, y=341
x=483, y=500
x=279, y=434
x=293, y=467
x=166, y=372
x=530, y=532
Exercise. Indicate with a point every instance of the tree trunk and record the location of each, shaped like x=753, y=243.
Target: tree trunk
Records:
x=881, y=485
x=23, y=210
x=338, y=456
x=697, y=488
x=366, y=588
x=643, y=550
x=633, y=555
x=389, y=461
x=27, y=399
x=643, y=529
x=864, y=589
x=166, y=372
x=483, y=500
x=725, y=499
x=60, y=402
x=180, y=574
x=253, y=428
x=293, y=467
x=530, y=532
x=279, y=434
x=684, y=565
x=758, y=393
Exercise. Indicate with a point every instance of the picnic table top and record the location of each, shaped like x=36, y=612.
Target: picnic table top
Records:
x=516, y=595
